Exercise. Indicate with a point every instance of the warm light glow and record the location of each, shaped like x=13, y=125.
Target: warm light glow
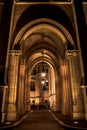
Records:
x=75, y=122
x=43, y=74
x=43, y=82
x=47, y=80
x=8, y=123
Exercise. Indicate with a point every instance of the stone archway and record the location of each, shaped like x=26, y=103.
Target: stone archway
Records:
x=55, y=41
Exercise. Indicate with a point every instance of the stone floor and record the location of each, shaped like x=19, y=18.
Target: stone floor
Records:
x=38, y=120
x=45, y=120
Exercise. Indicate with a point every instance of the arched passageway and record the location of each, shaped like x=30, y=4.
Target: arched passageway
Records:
x=44, y=44
x=41, y=85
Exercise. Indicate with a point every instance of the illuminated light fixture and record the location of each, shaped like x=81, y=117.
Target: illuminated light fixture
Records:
x=75, y=122
x=47, y=80
x=43, y=82
x=43, y=74
x=8, y=123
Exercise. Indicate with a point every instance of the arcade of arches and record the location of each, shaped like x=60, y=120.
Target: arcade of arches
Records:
x=43, y=48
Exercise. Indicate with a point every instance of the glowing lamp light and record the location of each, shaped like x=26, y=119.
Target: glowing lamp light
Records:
x=43, y=74
x=75, y=122
x=43, y=82
x=47, y=80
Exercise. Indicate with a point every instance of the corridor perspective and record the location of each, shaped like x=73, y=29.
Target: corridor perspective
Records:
x=39, y=120
x=41, y=63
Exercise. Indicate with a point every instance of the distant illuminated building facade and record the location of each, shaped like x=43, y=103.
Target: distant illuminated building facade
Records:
x=42, y=47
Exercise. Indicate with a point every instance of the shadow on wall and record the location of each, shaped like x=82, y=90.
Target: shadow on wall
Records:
x=82, y=28
x=1, y=78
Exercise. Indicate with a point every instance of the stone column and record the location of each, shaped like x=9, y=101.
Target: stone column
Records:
x=13, y=65
x=21, y=88
x=3, y=96
x=27, y=91
x=51, y=89
x=57, y=90
x=64, y=89
x=84, y=90
x=74, y=67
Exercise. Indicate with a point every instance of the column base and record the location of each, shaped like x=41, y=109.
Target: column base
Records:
x=86, y=116
x=27, y=108
x=21, y=108
x=12, y=116
x=3, y=117
x=58, y=106
x=65, y=109
x=78, y=116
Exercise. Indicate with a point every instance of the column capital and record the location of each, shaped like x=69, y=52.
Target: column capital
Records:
x=15, y=52
x=71, y=53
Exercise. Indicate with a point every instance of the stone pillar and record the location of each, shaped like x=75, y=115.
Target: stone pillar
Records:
x=57, y=90
x=27, y=91
x=3, y=104
x=13, y=65
x=54, y=90
x=64, y=89
x=21, y=88
x=84, y=90
x=74, y=67
x=51, y=88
